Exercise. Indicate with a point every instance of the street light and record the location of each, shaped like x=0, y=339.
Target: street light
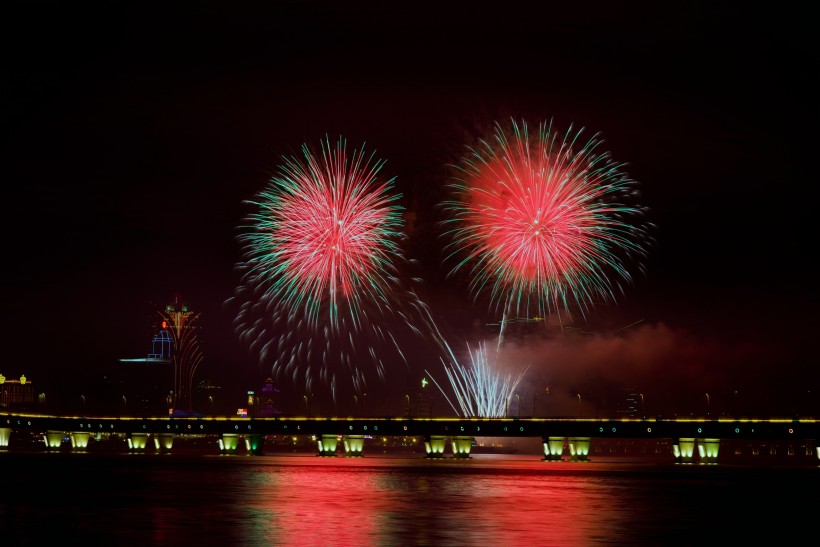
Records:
x=643, y=408
x=580, y=408
x=518, y=401
x=307, y=406
x=211, y=399
x=708, y=401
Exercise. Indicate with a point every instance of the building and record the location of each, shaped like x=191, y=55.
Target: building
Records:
x=181, y=324
x=18, y=395
x=268, y=401
x=162, y=381
x=419, y=405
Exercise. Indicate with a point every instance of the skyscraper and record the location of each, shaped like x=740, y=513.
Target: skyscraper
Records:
x=180, y=323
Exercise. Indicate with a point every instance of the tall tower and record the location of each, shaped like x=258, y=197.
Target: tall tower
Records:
x=181, y=324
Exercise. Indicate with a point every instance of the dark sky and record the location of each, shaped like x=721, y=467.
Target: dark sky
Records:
x=134, y=133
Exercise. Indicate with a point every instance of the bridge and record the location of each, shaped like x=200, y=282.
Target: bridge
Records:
x=692, y=439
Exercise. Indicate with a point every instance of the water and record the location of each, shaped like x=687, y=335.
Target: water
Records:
x=304, y=500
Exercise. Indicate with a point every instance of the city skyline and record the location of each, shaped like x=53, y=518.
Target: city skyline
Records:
x=136, y=144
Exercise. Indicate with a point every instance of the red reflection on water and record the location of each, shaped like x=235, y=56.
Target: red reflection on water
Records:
x=321, y=502
x=387, y=501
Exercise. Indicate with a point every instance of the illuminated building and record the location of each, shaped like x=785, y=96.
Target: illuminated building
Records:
x=269, y=401
x=162, y=381
x=16, y=394
x=181, y=324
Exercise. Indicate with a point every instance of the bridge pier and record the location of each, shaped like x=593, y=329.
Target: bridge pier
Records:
x=137, y=441
x=354, y=445
x=227, y=443
x=434, y=445
x=255, y=444
x=553, y=448
x=327, y=445
x=53, y=438
x=684, y=449
x=79, y=440
x=708, y=450
x=5, y=436
x=579, y=448
x=461, y=447
x=163, y=442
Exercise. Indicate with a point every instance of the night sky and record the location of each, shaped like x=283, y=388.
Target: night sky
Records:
x=134, y=134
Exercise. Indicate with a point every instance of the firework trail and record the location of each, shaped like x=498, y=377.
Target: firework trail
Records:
x=479, y=389
x=319, y=287
x=543, y=222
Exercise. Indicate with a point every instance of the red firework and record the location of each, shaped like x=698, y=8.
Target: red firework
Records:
x=326, y=230
x=543, y=221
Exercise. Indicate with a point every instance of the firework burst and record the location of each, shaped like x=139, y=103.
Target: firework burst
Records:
x=543, y=222
x=320, y=255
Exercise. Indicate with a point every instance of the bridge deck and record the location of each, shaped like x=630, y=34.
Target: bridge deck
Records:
x=722, y=428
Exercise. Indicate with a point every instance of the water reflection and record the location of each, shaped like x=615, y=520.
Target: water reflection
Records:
x=356, y=502
x=308, y=500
